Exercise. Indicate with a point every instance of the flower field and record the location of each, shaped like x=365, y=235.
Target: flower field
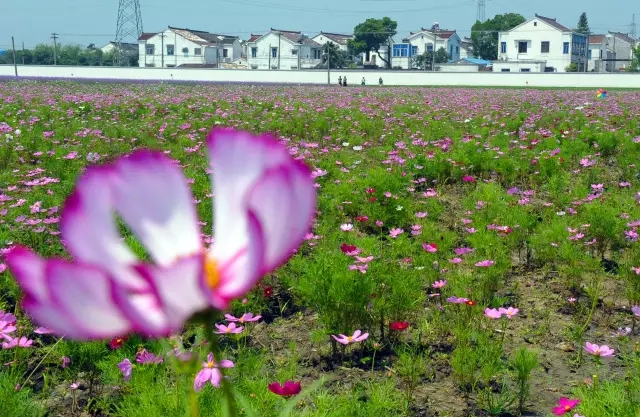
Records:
x=472, y=252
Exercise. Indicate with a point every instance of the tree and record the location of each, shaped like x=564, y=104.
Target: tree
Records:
x=583, y=25
x=635, y=60
x=372, y=34
x=338, y=57
x=484, y=35
x=419, y=61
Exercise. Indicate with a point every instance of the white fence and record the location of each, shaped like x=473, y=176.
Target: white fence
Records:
x=406, y=78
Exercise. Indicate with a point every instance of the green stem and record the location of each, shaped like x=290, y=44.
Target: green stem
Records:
x=230, y=400
x=42, y=360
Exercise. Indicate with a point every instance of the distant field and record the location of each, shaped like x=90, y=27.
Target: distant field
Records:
x=435, y=206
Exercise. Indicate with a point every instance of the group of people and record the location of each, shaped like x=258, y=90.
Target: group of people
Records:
x=343, y=81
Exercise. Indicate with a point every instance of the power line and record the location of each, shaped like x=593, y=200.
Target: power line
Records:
x=54, y=36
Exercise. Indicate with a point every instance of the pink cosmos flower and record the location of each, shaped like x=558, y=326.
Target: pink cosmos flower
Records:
x=7, y=317
x=455, y=260
x=346, y=227
x=509, y=312
x=245, y=318
x=145, y=357
x=430, y=247
x=265, y=201
x=564, y=406
x=439, y=284
x=5, y=329
x=456, y=300
x=126, y=368
x=595, y=350
x=492, y=313
x=230, y=329
x=636, y=310
x=210, y=373
x=358, y=336
x=421, y=214
x=395, y=232
x=22, y=342
x=3, y=267
x=486, y=263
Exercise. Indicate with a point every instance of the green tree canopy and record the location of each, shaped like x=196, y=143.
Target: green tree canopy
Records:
x=338, y=57
x=484, y=35
x=635, y=59
x=583, y=25
x=419, y=61
x=371, y=34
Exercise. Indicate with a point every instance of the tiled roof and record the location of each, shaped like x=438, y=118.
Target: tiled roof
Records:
x=442, y=33
x=337, y=37
x=200, y=36
x=552, y=22
x=253, y=38
x=596, y=38
x=146, y=35
x=297, y=37
x=624, y=37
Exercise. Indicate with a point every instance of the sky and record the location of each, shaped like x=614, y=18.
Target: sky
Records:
x=94, y=21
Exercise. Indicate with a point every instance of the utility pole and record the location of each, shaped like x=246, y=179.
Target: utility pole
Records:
x=54, y=36
x=162, y=51
x=23, y=53
x=15, y=64
x=632, y=26
x=328, y=65
x=279, y=35
x=435, y=42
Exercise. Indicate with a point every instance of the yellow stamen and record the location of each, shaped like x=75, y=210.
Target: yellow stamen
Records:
x=211, y=272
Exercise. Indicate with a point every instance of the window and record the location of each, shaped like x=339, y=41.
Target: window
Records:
x=451, y=50
x=225, y=53
x=400, y=50
x=151, y=65
x=505, y=70
x=525, y=69
x=457, y=50
x=544, y=47
x=274, y=52
x=150, y=49
x=294, y=52
x=503, y=47
x=430, y=47
x=170, y=65
x=414, y=50
x=254, y=52
x=589, y=54
x=185, y=51
x=565, y=48
x=170, y=50
x=535, y=23
x=197, y=51
x=522, y=47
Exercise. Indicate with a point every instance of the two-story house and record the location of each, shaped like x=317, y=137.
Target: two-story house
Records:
x=541, y=42
x=177, y=47
x=600, y=54
x=284, y=50
x=424, y=40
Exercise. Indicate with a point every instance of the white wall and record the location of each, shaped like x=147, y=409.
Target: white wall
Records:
x=520, y=66
x=160, y=49
x=479, y=79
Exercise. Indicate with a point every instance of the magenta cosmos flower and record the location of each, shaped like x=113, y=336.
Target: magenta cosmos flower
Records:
x=287, y=389
x=595, y=350
x=210, y=373
x=263, y=207
x=357, y=337
x=564, y=406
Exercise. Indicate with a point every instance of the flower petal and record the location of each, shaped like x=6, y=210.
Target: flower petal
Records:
x=201, y=379
x=89, y=228
x=178, y=288
x=80, y=305
x=153, y=198
x=225, y=363
x=28, y=270
x=241, y=273
x=215, y=378
x=238, y=160
x=284, y=201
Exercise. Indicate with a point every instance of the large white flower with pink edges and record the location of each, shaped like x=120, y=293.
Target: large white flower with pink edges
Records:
x=263, y=207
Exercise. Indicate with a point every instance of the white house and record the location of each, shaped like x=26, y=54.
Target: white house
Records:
x=176, y=47
x=126, y=47
x=621, y=45
x=283, y=49
x=371, y=58
x=466, y=48
x=417, y=43
x=340, y=40
x=543, y=39
x=520, y=66
x=599, y=52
